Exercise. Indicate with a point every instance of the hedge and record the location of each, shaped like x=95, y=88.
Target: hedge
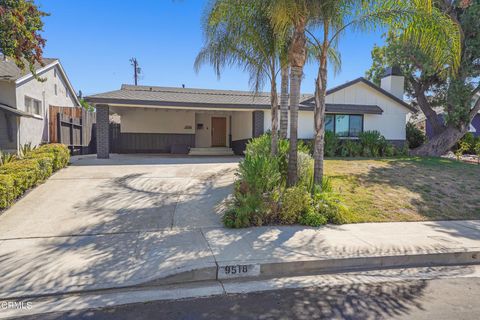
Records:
x=18, y=176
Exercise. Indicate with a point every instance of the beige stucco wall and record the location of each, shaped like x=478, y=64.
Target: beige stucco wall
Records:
x=305, y=123
x=7, y=93
x=203, y=137
x=241, y=125
x=35, y=130
x=142, y=120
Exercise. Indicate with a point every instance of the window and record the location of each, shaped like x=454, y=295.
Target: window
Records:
x=55, y=89
x=329, y=125
x=54, y=73
x=33, y=106
x=344, y=125
x=341, y=125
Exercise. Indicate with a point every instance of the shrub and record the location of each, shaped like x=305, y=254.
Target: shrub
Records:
x=7, y=192
x=329, y=205
x=415, y=136
x=331, y=144
x=464, y=147
x=60, y=152
x=6, y=158
x=313, y=218
x=296, y=201
x=372, y=143
x=350, y=148
x=305, y=170
x=19, y=175
x=470, y=140
x=258, y=174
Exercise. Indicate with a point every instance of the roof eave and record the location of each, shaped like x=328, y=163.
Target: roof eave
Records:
x=47, y=67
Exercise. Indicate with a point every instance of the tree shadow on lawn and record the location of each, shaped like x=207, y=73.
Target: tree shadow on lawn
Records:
x=412, y=189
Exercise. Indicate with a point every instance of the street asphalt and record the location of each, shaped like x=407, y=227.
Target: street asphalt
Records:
x=455, y=298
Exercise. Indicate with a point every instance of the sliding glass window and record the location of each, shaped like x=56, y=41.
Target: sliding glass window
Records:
x=344, y=125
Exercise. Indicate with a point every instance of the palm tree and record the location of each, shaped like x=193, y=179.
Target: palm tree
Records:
x=295, y=15
x=284, y=99
x=416, y=20
x=241, y=33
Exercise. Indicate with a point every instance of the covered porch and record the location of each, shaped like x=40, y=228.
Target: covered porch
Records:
x=177, y=120
x=162, y=129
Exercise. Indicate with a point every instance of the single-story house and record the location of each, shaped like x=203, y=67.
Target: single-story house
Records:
x=25, y=101
x=160, y=119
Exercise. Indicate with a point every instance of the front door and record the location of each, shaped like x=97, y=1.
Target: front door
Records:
x=219, y=132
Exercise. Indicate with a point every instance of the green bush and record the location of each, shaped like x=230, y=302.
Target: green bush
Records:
x=261, y=196
x=330, y=144
x=7, y=192
x=372, y=143
x=468, y=140
x=19, y=175
x=313, y=218
x=295, y=202
x=330, y=205
x=415, y=136
x=305, y=170
x=350, y=148
x=60, y=152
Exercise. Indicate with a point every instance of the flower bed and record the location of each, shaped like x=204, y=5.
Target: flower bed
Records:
x=21, y=174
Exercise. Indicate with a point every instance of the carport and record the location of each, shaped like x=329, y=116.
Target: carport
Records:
x=178, y=120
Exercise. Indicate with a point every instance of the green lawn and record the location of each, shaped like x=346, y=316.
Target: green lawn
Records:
x=407, y=189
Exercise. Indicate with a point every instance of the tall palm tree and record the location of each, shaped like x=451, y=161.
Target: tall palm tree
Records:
x=240, y=32
x=284, y=99
x=295, y=15
x=417, y=20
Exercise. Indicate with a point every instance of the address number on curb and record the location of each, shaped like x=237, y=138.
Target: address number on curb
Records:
x=238, y=271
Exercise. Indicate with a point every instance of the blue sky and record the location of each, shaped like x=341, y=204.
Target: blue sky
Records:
x=95, y=39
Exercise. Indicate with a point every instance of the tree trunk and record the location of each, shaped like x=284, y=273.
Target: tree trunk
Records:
x=430, y=114
x=440, y=143
x=284, y=102
x=297, y=57
x=445, y=140
x=295, y=84
x=320, y=93
x=274, y=102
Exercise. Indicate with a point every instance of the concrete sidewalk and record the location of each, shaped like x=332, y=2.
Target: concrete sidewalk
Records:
x=52, y=265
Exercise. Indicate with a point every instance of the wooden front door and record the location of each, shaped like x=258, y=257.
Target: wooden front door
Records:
x=219, y=132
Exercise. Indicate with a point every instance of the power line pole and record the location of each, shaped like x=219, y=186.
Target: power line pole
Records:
x=136, y=69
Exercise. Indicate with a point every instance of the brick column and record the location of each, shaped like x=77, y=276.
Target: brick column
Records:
x=103, y=122
x=257, y=124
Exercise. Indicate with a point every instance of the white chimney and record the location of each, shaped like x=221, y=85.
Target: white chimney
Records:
x=393, y=82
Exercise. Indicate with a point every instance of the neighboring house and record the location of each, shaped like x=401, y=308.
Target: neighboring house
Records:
x=25, y=101
x=420, y=121
x=159, y=119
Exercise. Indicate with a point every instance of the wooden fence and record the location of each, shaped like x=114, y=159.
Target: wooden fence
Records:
x=74, y=127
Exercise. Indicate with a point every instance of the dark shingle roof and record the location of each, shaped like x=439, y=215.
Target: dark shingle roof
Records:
x=203, y=98
x=10, y=71
x=173, y=96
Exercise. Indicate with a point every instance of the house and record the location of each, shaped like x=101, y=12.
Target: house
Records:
x=159, y=119
x=25, y=101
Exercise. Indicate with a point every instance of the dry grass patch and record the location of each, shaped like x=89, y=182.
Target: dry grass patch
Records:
x=407, y=189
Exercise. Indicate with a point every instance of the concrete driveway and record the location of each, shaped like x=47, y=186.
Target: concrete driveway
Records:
x=127, y=193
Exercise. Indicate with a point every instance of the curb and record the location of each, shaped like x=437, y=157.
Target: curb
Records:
x=233, y=271
x=263, y=270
